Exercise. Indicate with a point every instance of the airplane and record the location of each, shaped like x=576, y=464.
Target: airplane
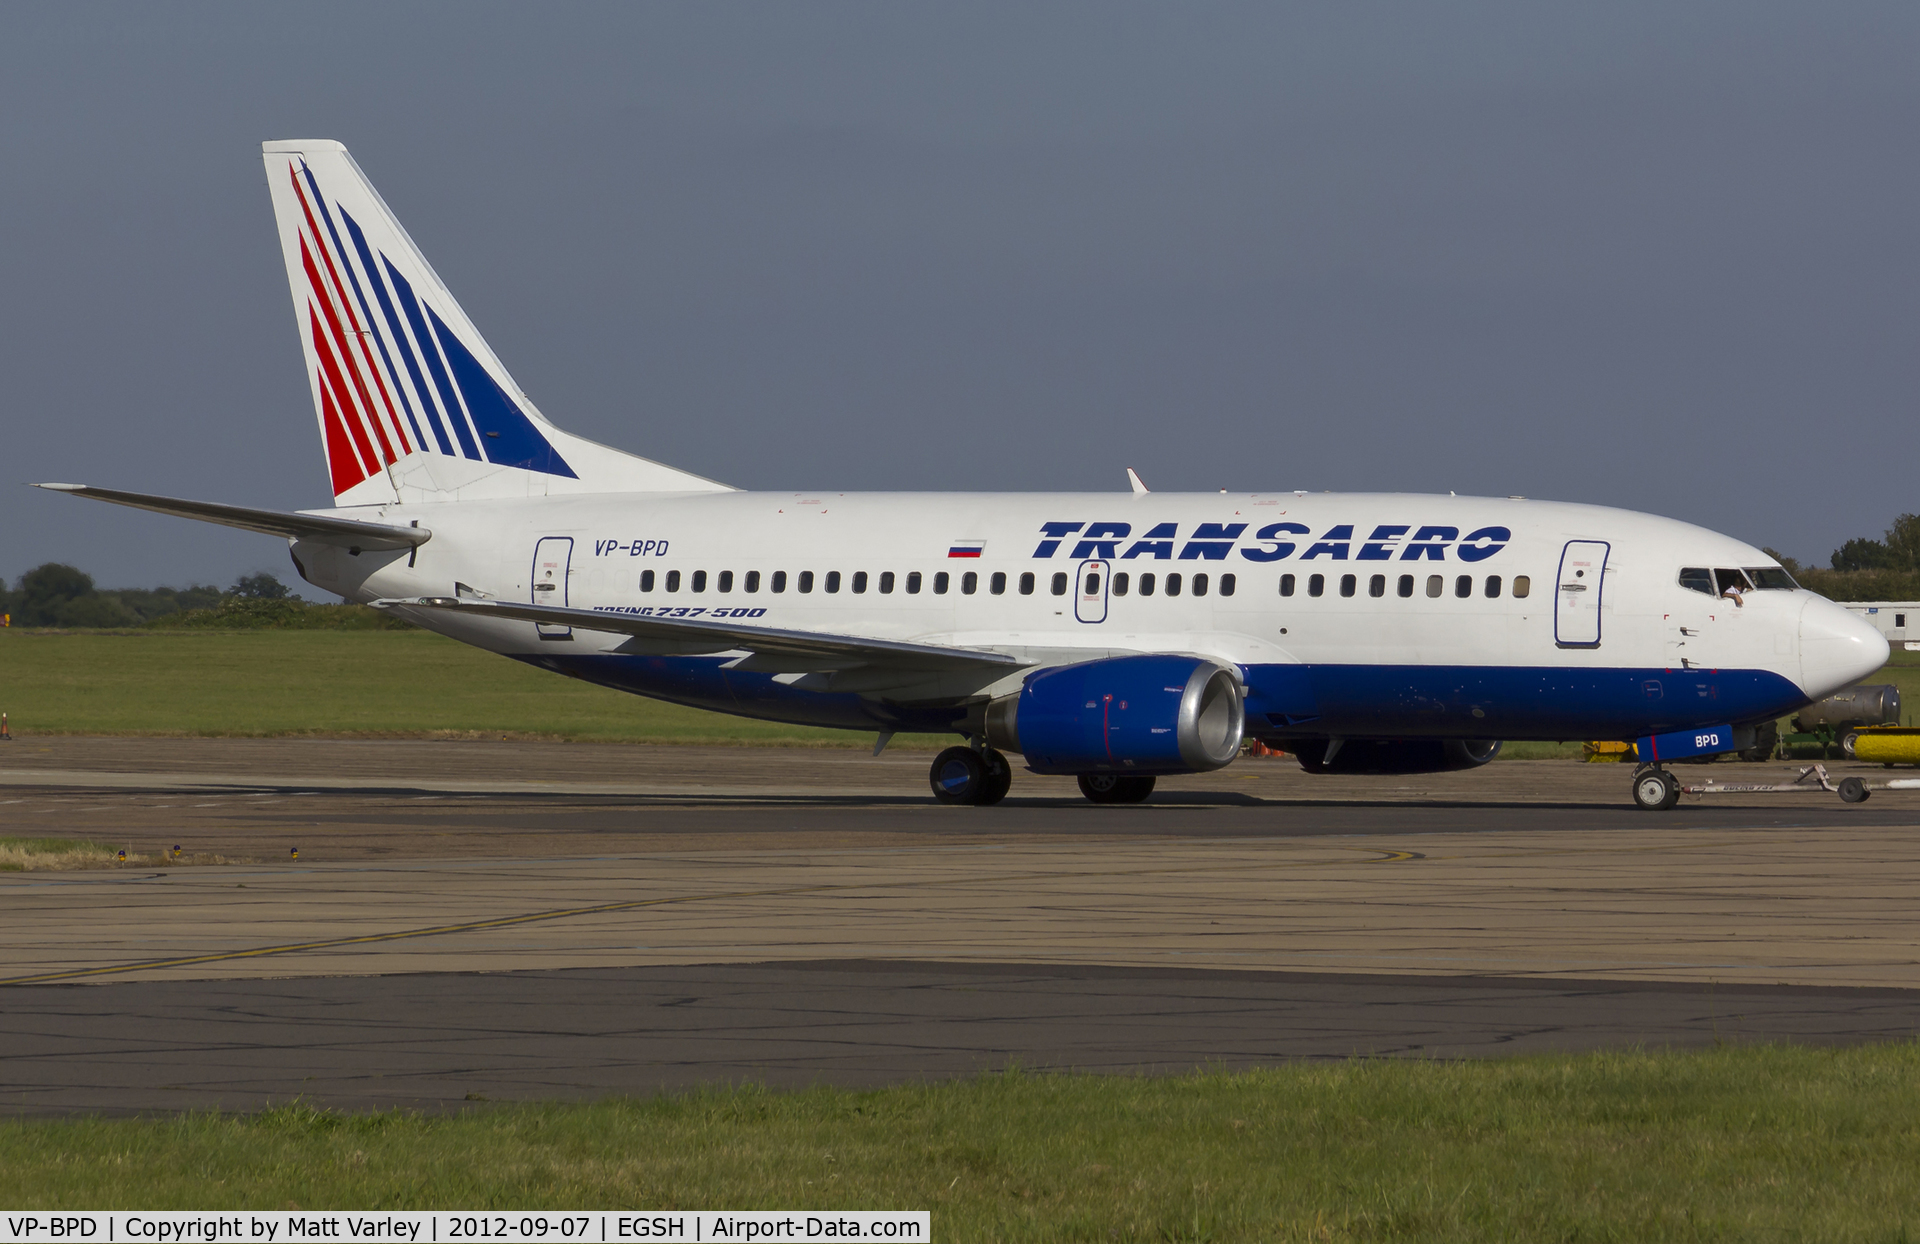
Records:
x=1116, y=637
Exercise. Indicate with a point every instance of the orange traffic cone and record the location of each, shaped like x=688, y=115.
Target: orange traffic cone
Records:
x=6, y=735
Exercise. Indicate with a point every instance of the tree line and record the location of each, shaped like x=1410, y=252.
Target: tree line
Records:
x=1867, y=569
x=56, y=594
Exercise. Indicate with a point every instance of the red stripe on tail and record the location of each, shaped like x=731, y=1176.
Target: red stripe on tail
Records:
x=341, y=398
x=326, y=254
x=342, y=465
x=346, y=353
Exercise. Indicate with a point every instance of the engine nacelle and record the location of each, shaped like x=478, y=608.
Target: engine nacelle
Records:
x=1146, y=714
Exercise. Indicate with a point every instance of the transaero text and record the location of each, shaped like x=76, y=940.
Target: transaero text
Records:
x=1271, y=542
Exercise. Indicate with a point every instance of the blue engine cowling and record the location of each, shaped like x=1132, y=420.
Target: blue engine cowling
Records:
x=1148, y=714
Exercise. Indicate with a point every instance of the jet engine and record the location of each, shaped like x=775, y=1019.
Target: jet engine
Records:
x=1145, y=714
x=1392, y=755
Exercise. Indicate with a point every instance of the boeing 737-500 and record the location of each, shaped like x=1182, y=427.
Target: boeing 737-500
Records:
x=1115, y=637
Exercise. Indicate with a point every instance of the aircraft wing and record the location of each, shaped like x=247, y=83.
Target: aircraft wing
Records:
x=773, y=650
x=345, y=532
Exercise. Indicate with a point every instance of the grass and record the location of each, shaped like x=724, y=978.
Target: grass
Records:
x=1733, y=1143
x=372, y=683
x=26, y=854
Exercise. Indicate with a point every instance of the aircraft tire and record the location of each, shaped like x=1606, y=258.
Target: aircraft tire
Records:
x=959, y=776
x=1655, y=790
x=1115, y=787
x=1853, y=790
x=999, y=779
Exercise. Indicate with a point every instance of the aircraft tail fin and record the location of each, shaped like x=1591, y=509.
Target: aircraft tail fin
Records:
x=413, y=405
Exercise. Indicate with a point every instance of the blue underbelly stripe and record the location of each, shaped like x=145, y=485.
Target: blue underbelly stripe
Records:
x=1351, y=701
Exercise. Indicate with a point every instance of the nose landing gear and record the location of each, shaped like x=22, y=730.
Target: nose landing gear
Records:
x=1656, y=790
x=961, y=775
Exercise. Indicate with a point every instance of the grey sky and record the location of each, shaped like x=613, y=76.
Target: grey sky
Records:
x=1652, y=255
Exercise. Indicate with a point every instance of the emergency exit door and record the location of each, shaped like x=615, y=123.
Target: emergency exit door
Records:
x=552, y=558
x=1090, y=594
x=1577, y=593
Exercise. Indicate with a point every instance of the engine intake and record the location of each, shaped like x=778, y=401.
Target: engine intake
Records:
x=1146, y=714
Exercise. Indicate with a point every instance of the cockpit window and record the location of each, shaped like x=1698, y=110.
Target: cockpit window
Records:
x=1771, y=579
x=1732, y=581
x=1697, y=578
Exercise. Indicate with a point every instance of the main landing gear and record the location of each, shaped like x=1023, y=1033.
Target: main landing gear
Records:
x=1656, y=790
x=1115, y=787
x=965, y=776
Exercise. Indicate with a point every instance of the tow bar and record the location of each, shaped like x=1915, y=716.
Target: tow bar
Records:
x=1812, y=778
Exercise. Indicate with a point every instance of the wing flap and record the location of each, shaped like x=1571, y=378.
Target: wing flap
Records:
x=771, y=649
x=345, y=532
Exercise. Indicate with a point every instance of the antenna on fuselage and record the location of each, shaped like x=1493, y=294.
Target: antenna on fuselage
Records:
x=1139, y=485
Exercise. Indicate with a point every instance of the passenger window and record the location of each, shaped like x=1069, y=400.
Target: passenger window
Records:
x=1435, y=585
x=886, y=582
x=1123, y=580
x=1026, y=583
x=806, y=580
x=1227, y=584
x=753, y=580
x=859, y=581
x=1522, y=585
x=1173, y=585
x=1286, y=585
x=726, y=581
x=1146, y=585
x=913, y=582
x=969, y=583
x=1405, y=586
x=1316, y=585
x=699, y=580
x=646, y=580
x=673, y=580
x=1463, y=586
x=1493, y=586
x=1199, y=585
x=1093, y=583
x=1697, y=579
x=779, y=580
x=1060, y=583
x=940, y=582
x=998, y=583
x=1347, y=584
x=833, y=580
x=1377, y=585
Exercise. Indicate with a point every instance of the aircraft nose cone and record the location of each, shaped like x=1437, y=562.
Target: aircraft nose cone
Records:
x=1837, y=648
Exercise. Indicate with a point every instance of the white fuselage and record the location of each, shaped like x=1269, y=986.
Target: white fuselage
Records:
x=1435, y=591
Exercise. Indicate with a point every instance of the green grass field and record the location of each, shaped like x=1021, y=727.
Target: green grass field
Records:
x=295, y=682
x=1754, y=1143
x=396, y=683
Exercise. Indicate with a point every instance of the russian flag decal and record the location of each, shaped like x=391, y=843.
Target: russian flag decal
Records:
x=966, y=548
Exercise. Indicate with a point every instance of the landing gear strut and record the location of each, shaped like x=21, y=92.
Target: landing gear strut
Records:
x=961, y=775
x=1115, y=787
x=1656, y=790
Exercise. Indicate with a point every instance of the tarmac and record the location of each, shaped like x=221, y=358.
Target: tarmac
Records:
x=496, y=920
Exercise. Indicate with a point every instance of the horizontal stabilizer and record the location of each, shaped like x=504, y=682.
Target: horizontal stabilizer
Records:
x=772, y=649
x=345, y=532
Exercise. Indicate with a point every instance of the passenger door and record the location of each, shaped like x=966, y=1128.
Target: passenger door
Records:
x=552, y=562
x=1576, y=598
x=1090, y=592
